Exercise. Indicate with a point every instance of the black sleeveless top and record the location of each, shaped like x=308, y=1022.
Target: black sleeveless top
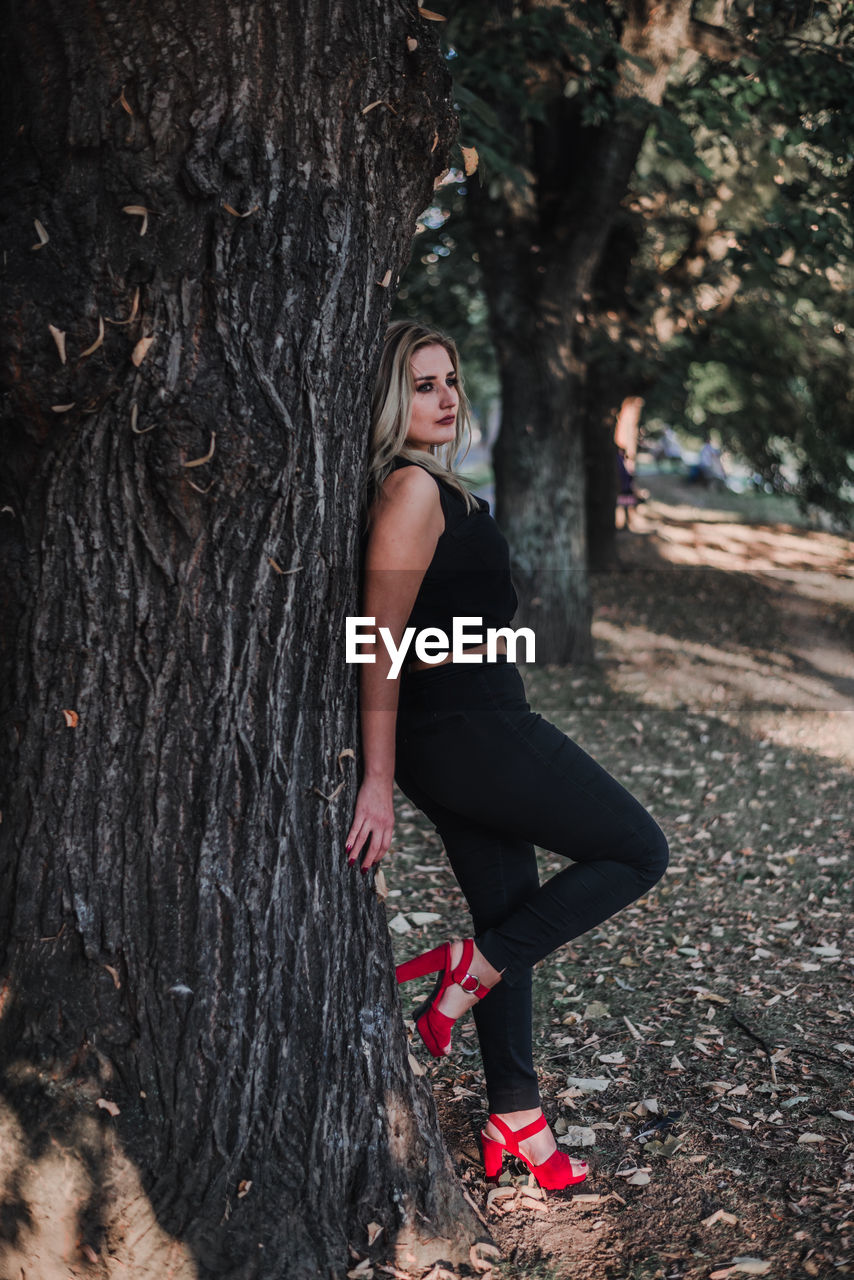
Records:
x=469, y=575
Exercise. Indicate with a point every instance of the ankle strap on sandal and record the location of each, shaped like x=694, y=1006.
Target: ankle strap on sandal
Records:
x=518, y=1135
x=469, y=982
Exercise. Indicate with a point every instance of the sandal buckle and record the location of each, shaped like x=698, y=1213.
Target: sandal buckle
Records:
x=469, y=978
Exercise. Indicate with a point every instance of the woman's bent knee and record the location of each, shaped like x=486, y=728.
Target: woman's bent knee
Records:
x=657, y=855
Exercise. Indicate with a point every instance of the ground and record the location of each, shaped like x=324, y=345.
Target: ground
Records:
x=710, y=1024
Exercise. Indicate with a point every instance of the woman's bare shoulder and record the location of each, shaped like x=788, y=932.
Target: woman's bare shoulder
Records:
x=413, y=481
x=412, y=489
x=410, y=495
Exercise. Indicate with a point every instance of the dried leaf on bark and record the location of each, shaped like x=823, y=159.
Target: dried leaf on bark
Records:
x=58, y=336
x=378, y=102
x=41, y=233
x=138, y=211
x=140, y=351
x=71, y=719
x=98, y=341
x=380, y=885
x=106, y=1105
x=133, y=311
x=198, y=462
x=470, y=159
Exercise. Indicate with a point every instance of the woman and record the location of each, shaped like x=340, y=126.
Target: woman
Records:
x=465, y=747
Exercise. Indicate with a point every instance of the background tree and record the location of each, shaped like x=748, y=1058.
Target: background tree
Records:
x=204, y=209
x=589, y=83
x=740, y=185
x=730, y=310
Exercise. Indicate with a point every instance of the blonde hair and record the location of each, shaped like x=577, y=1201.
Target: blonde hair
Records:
x=391, y=410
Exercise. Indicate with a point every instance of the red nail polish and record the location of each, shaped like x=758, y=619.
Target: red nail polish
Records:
x=348, y=848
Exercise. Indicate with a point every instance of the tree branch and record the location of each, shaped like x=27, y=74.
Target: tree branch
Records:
x=714, y=42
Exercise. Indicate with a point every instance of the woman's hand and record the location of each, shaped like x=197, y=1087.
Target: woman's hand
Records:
x=373, y=823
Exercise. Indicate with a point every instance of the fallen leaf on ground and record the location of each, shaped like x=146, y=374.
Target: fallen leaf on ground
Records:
x=577, y=1136
x=720, y=1215
x=751, y=1266
x=595, y=1084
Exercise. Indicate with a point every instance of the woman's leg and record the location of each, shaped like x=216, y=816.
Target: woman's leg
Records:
x=497, y=874
x=478, y=751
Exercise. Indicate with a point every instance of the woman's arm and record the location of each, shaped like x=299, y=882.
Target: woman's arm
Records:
x=406, y=525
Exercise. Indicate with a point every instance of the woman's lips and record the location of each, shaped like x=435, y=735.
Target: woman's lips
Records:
x=446, y=422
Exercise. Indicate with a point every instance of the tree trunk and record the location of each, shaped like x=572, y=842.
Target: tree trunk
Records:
x=611, y=378
x=540, y=249
x=537, y=266
x=202, y=1065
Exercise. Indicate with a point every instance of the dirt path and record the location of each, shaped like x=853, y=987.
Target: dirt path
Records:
x=715, y=1015
x=807, y=668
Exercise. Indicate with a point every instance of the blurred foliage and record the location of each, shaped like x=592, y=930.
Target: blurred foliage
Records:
x=740, y=206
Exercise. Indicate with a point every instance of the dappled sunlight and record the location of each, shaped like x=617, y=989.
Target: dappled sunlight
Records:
x=77, y=1207
x=757, y=630
x=687, y=535
x=762, y=691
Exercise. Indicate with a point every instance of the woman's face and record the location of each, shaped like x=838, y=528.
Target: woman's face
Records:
x=435, y=399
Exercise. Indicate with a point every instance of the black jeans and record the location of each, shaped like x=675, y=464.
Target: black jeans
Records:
x=496, y=779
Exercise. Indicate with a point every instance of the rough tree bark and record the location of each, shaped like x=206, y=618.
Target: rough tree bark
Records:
x=610, y=378
x=538, y=260
x=540, y=252
x=196, y=994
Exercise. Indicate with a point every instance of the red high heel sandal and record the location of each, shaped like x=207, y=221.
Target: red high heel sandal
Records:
x=433, y=1026
x=553, y=1174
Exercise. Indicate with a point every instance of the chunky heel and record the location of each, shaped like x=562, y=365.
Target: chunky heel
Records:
x=428, y=962
x=553, y=1174
x=493, y=1154
x=433, y=1026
